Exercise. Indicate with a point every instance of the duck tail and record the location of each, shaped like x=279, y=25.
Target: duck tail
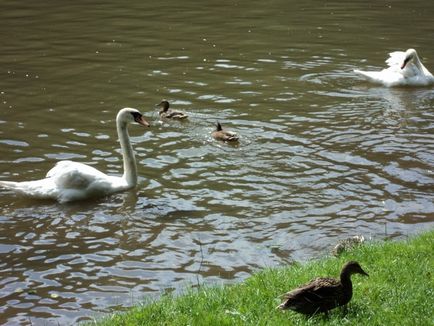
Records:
x=281, y=306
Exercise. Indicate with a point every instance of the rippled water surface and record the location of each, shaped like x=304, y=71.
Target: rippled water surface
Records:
x=323, y=155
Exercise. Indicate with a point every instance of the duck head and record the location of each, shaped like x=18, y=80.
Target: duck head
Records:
x=165, y=105
x=353, y=267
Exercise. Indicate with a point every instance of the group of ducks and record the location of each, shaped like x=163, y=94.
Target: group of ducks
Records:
x=219, y=133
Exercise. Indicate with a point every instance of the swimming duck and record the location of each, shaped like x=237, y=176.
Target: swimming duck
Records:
x=168, y=113
x=347, y=244
x=224, y=135
x=405, y=69
x=323, y=294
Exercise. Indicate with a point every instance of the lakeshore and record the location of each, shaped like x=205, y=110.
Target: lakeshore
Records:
x=399, y=291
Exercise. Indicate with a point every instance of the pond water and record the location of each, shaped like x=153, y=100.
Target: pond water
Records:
x=323, y=155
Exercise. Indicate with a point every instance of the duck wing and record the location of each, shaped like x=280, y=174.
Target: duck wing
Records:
x=318, y=295
x=176, y=115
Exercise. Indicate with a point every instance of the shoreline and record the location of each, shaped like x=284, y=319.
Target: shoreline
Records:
x=399, y=291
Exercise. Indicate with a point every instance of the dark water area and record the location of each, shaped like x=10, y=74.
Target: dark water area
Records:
x=323, y=155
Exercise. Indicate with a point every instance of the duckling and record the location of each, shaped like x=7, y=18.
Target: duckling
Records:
x=323, y=294
x=169, y=113
x=348, y=244
x=224, y=135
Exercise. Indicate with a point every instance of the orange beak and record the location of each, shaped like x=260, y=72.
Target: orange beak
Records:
x=142, y=121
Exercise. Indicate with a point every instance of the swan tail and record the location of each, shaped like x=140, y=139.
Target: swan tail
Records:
x=10, y=185
x=367, y=74
x=371, y=75
x=34, y=188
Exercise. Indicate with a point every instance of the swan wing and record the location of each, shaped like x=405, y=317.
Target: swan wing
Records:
x=76, y=181
x=68, y=181
x=413, y=74
x=74, y=175
x=395, y=59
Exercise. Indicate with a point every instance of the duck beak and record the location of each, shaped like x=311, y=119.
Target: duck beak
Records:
x=142, y=121
x=363, y=272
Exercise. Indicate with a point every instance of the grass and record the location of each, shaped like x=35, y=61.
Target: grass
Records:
x=399, y=291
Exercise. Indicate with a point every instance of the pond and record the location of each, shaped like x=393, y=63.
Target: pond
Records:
x=323, y=154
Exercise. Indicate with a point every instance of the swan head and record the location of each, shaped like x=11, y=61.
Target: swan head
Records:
x=410, y=54
x=130, y=115
x=165, y=105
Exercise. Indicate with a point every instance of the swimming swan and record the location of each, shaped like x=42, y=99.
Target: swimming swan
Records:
x=69, y=181
x=405, y=69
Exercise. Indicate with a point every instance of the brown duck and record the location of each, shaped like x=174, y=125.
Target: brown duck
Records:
x=222, y=134
x=347, y=244
x=168, y=113
x=323, y=294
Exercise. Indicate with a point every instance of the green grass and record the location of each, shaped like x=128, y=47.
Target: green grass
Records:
x=399, y=291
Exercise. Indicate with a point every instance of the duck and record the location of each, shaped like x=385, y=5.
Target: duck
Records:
x=405, y=69
x=347, y=244
x=224, y=135
x=168, y=113
x=323, y=294
x=70, y=181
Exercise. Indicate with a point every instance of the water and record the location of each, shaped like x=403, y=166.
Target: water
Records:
x=323, y=155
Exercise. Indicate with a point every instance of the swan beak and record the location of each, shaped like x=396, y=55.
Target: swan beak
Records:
x=142, y=121
x=405, y=63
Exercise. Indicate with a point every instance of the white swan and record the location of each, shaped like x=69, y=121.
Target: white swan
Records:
x=405, y=69
x=69, y=181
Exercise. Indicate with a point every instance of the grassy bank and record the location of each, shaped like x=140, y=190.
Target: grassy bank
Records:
x=399, y=291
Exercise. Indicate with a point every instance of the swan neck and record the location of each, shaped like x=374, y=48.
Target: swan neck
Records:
x=417, y=61
x=129, y=161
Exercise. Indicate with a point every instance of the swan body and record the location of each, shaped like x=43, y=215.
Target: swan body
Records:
x=222, y=134
x=70, y=181
x=168, y=113
x=405, y=69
